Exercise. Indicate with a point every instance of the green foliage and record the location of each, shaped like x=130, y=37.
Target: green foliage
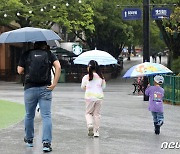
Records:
x=111, y=32
x=173, y=25
x=73, y=18
x=176, y=65
x=100, y=20
x=80, y=17
x=156, y=42
x=170, y=29
x=9, y=7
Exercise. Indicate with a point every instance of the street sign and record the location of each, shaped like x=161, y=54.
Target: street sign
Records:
x=160, y=13
x=131, y=14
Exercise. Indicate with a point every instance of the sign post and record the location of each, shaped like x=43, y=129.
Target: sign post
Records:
x=146, y=55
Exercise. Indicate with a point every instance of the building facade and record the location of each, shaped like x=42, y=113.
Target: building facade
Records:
x=9, y=57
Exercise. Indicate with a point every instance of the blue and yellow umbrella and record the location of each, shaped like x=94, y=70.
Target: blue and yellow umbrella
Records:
x=146, y=69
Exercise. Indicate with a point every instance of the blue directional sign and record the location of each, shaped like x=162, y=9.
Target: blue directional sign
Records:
x=131, y=14
x=160, y=13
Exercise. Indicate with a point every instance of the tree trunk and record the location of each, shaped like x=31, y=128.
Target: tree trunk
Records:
x=129, y=52
x=176, y=49
x=134, y=50
x=169, y=60
x=172, y=43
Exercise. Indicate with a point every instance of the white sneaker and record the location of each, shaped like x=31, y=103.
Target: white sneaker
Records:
x=96, y=134
x=90, y=130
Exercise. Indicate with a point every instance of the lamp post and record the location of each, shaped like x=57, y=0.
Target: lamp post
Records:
x=146, y=56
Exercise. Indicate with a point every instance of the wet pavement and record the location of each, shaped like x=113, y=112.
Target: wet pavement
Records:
x=126, y=124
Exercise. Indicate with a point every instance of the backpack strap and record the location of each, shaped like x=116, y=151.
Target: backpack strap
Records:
x=26, y=54
x=49, y=57
x=53, y=71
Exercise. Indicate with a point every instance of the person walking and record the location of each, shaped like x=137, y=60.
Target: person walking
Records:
x=156, y=94
x=36, y=66
x=93, y=83
x=159, y=54
x=154, y=58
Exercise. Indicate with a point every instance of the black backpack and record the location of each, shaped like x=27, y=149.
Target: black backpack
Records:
x=38, y=66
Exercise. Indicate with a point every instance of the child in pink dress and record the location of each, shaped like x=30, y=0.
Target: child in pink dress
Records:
x=93, y=83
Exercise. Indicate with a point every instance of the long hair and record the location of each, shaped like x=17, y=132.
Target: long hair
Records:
x=94, y=67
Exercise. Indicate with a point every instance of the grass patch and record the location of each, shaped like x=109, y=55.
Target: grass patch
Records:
x=10, y=113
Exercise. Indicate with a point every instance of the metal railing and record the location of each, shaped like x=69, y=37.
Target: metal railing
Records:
x=171, y=88
x=75, y=73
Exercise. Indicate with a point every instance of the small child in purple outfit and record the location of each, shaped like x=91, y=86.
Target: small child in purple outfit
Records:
x=156, y=94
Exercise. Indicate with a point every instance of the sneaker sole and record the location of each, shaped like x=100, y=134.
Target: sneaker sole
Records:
x=29, y=145
x=90, y=131
x=47, y=150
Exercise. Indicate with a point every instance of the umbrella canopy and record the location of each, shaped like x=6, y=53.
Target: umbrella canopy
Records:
x=102, y=58
x=28, y=34
x=146, y=69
